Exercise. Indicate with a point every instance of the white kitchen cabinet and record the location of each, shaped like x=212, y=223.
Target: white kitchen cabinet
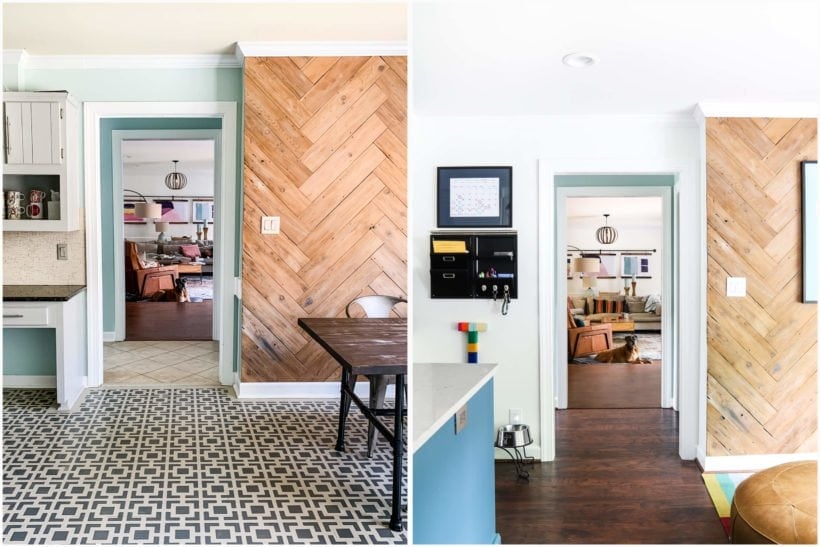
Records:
x=34, y=131
x=41, y=146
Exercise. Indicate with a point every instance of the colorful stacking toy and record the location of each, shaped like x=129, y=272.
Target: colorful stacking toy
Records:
x=472, y=330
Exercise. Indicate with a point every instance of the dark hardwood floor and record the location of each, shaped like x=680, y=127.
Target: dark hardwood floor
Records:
x=617, y=478
x=169, y=320
x=614, y=385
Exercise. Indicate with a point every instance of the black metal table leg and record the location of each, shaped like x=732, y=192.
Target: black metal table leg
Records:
x=344, y=407
x=396, y=513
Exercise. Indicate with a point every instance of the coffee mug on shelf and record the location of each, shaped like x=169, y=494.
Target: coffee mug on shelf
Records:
x=14, y=205
x=34, y=211
x=15, y=212
x=36, y=196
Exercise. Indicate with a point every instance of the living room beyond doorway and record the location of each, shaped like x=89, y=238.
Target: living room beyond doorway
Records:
x=168, y=225
x=614, y=301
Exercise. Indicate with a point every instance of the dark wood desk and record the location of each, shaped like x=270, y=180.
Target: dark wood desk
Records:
x=370, y=347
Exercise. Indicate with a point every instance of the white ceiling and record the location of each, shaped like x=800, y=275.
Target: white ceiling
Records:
x=192, y=28
x=656, y=57
x=622, y=211
x=156, y=156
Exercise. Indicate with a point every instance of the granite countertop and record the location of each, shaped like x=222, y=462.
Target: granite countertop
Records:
x=439, y=389
x=40, y=293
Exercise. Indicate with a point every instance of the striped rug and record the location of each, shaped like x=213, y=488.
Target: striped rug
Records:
x=721, y=488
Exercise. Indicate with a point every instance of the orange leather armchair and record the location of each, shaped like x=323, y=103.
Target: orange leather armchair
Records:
x=587, y=340
x=145, y=281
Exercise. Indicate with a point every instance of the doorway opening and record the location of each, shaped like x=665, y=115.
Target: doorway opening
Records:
x=168, y=260
x=103, y=204
x=614, y=283
x=165, y=288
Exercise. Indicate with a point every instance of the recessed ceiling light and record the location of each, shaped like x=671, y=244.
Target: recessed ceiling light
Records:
x=580, y=60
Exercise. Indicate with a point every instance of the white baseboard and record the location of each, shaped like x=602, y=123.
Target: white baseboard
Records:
x=109, y=336
x=300, y=390
x=30, y=381
x=729, y=464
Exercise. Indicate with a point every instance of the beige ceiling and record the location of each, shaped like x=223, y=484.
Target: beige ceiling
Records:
x=192, y=28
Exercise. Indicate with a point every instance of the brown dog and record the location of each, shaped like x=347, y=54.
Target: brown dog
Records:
x=178, y=294
x=629, y=353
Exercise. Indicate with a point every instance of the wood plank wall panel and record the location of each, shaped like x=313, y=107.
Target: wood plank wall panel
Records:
x=762, y=349
x=325, y=150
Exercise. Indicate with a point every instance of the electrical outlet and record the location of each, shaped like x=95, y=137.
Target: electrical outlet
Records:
x=461, y=419
x=62, y=251
x=516, y=415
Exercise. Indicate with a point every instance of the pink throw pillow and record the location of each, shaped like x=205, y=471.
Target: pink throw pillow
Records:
x=191, y=251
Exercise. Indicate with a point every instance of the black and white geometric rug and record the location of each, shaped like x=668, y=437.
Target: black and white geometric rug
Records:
x=189, y=465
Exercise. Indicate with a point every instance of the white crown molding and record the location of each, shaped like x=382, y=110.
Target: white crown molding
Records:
x=727, y=464
x=756, y=110
x=319, y=49
x=125, y=62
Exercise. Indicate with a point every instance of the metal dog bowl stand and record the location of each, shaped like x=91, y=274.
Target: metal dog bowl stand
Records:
x=510, y=438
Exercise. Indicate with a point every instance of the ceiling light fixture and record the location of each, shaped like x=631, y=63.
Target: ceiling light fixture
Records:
x=606, y=234
x=580, y=60
x=176, y=180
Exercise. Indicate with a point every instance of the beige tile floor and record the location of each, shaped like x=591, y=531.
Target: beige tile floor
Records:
x=164, y=363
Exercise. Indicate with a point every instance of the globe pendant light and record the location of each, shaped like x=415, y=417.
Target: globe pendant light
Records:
x=606, y=235
x=176, y=180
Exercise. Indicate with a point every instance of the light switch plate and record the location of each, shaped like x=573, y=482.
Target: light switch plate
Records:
x=270, y=225
x=736, y=286
x=461, y=419
x=62, y=251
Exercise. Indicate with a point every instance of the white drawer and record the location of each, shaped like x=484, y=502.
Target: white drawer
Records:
x=25, y=317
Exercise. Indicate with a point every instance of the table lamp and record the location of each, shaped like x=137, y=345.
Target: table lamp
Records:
x=162, y=227
x=589, y=282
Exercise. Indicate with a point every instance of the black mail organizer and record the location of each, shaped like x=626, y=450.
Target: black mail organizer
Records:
x=473, y=264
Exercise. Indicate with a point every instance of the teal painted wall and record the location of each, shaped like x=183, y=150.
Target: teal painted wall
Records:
x=614, y=180
x=454, y=479
x=29, y=352
x=195, y=84
x=106, y=191
x=110, y=85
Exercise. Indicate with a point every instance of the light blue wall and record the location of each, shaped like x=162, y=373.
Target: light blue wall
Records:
x=106, y=193
x=454, y=480
x=201, y=84
x=613, y=180
x=149, y=85
x=29, y=352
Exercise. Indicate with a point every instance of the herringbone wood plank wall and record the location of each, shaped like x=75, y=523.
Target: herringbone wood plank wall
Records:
x=762, y=349
x=325, y=150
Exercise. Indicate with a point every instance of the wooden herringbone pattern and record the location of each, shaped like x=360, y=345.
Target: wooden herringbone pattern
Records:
x=762, y=349
x=325, y=150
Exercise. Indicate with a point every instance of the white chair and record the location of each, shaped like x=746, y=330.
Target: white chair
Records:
x=376, y=305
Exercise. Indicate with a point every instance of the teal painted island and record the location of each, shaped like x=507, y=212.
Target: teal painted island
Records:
x=453, y=472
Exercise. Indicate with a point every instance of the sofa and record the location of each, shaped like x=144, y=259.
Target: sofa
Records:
x=172, y=252
x=612, y=305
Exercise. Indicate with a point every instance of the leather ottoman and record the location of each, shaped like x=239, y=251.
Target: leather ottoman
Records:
x=777, y=505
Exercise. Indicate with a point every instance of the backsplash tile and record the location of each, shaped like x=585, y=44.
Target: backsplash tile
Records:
x=30, y=258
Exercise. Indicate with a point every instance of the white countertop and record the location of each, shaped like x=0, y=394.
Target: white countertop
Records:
x=439, y=390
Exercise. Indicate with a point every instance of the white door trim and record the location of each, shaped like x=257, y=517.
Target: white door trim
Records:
x=93, y=113
x=118, y=136
x=691, y=318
